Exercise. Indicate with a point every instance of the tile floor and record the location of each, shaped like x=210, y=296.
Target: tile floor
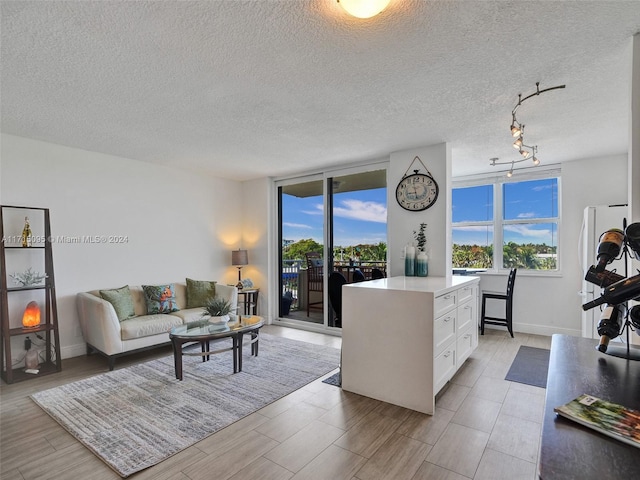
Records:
x=484, y=428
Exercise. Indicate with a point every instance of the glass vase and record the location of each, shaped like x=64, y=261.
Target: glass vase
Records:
x=422, y=265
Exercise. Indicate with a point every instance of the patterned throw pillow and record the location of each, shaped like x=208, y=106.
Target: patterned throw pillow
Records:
x=121, y=300
x=199, y=292
x=160, y=298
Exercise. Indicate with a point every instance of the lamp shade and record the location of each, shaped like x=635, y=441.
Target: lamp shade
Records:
x=31, y=317
x=363, y=8
x=239, y=258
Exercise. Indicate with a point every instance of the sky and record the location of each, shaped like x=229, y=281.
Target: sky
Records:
x=360, y=217
x=522, y=200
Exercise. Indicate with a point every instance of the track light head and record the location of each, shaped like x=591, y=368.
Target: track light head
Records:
x=536, y=162
x=525, y=153
x=518, y=143
x=515, y=130
x=510, y=173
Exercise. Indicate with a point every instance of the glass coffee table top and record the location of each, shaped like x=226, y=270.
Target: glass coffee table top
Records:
x=202, y=328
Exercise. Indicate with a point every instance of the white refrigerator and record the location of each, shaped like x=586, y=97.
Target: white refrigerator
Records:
x=597, y=220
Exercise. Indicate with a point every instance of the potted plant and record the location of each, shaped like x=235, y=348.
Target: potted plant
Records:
x=219, y=309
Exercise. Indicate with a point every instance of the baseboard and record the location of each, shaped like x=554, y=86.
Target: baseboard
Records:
x=545, y=330
x=71, y=351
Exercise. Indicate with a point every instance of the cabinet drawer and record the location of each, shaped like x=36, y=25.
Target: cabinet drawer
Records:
x=466, y=315
x=444, y=366
x=444, y=332
x=444, y=303
x=464, y=346
x=465, y=293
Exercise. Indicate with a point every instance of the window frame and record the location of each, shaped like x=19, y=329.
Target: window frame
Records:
x=498, y=223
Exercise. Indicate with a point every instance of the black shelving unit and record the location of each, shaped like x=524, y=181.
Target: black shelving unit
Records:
x=49, y=325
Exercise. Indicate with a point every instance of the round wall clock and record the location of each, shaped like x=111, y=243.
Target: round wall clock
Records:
x=418, y=191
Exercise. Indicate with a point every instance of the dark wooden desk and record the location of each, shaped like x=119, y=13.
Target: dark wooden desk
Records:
x=569, y=450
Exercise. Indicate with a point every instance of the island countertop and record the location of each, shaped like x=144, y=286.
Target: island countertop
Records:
x=417, y=284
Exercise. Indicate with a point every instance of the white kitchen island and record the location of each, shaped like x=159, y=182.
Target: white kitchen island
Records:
x=403, y=338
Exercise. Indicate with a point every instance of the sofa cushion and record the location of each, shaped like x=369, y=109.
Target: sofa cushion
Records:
x=160, y=298
x=121, y=300
x=190, y=314
x=199, y=292
x=146, y=325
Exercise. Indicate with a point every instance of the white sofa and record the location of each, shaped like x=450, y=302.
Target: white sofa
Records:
x=104, y=333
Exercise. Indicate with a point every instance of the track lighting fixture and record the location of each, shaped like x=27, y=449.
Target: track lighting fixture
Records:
x=517, y=132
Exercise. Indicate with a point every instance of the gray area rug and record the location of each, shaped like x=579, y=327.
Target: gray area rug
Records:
x=530, y=366
x=137, y=416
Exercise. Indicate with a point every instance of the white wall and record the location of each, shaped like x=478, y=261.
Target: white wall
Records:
x=256, y=215
x=401, y=223
x=634, y=134
x=178, y=224
x=548, y=305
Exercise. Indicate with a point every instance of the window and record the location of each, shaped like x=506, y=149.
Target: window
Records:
x=473, y=227
x=503, y=224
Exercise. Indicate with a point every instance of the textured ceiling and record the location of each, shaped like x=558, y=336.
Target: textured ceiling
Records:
x=246, y=89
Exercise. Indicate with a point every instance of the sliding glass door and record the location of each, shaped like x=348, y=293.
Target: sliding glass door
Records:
x=335, y=222
x=301, y=234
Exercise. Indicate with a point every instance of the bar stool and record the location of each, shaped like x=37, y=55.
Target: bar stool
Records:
x=508, y=299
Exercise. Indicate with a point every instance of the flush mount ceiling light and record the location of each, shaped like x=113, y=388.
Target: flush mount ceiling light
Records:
x=363, y=8
x=517, y=132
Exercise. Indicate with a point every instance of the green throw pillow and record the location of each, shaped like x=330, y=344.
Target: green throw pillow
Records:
x=121, y=300
x=199, y=292
x=160, y=298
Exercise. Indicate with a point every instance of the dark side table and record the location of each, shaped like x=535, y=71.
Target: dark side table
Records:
x=569, y=450
x=250, y=300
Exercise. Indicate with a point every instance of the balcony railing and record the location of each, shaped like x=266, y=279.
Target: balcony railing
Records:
x=291, y=275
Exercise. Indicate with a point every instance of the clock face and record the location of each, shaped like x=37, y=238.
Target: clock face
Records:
x=417, y=192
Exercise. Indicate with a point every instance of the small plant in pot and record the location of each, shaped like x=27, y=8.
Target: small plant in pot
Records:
x=219, y=309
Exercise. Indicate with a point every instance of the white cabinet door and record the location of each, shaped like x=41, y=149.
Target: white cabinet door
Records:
x=464, y=346
x=444, y=366
x=444, y=303
x=444, y=332
x=466, y=314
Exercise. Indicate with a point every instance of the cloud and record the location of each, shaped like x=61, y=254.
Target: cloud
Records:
x=372, y=238
x=359, y=210
x=540, y=188
x=527, y=215
x=473, y=228
x=527, y=231
x=296, y=225
x=319, y=210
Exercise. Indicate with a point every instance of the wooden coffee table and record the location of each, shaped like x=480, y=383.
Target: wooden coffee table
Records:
x=203, y=332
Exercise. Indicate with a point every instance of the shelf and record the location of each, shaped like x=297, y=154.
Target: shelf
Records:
x=19, y=375
x=49, y=310
x=43, y=327
x=32, y=287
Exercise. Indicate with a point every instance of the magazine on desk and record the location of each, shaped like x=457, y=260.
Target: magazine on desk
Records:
x=612, y=419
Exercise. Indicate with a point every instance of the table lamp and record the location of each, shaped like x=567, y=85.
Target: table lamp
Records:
x=239, y=258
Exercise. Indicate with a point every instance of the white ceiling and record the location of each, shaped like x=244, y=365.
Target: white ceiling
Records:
x=247, y=89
